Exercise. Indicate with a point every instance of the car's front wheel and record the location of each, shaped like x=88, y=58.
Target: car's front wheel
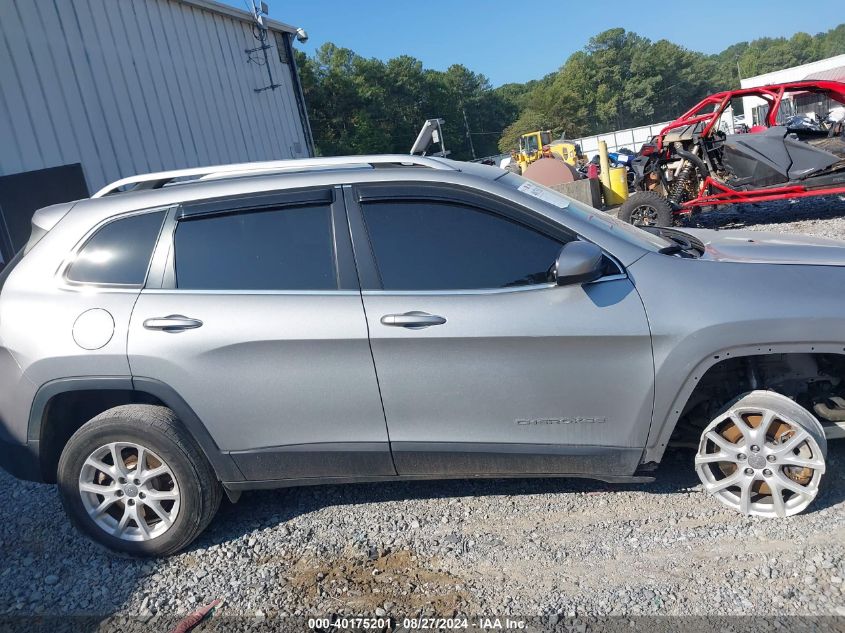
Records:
x=764, y=455
x=134, y=481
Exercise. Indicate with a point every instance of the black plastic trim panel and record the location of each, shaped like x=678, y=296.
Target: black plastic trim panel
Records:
x=457, y=458
x=63, y=385
x=342, y=459
x=329, y=481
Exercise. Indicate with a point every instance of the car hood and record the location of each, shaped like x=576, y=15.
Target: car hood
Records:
x=769, y=248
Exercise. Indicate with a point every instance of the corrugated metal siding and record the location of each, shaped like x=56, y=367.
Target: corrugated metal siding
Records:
x=132, y=86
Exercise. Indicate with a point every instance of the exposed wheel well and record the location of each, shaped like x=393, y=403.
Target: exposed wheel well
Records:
x=66, y=412
x=805, y=378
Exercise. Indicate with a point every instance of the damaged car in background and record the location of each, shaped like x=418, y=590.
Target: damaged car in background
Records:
x=694, y=164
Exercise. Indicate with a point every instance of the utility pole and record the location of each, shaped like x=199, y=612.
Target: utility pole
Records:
x=469, y=135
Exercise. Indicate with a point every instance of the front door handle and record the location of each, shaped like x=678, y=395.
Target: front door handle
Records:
x=412, y=320
x=172, y=323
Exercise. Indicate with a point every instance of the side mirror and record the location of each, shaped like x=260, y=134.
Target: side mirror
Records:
x=578, y=263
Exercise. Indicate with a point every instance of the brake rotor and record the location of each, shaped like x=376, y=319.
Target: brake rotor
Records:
x=781, y=434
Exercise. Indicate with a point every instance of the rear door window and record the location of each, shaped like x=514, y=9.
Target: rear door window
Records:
x=286, y=248
x=119, y=252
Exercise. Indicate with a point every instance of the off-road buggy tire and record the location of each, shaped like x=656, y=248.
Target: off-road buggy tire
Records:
x=660, y=208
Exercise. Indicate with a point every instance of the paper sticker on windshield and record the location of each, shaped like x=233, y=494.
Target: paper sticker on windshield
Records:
x=543, y=194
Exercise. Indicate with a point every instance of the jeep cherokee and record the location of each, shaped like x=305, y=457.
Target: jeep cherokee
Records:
x=188, y=334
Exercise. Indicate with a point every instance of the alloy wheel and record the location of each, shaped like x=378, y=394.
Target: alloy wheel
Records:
x=762, y=461
x=129, y=491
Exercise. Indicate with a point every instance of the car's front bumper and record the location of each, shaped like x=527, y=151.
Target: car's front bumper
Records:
x=21, y=460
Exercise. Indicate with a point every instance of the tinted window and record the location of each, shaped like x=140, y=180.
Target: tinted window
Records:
x=278, y=249
x=119, y=253
x=441, y=246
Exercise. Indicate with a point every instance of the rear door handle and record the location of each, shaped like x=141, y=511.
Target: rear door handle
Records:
x=172, y=323
x=412, y=320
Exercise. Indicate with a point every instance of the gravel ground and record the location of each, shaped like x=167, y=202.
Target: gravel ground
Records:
x=822, y=217
x=559, y=548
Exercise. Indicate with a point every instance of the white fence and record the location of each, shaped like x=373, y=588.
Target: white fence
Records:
x=632, y=138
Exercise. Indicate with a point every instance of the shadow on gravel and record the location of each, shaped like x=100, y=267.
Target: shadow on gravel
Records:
x=272, y=507
x=775, y=212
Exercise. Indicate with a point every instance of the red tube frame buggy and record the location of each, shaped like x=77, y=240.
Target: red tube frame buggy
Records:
x=713, y=192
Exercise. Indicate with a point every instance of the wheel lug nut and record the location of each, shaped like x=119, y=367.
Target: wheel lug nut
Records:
x=137, y=482
x=749, y=471
x=741, y=456
x=142, y=495
x=767, y=473
x=132, y=502
x=121, y=480
x=771, y=458
x=119, y=493
x=755, y=449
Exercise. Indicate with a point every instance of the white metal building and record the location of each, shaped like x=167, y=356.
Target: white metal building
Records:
x=95, y=90
x=832, y=68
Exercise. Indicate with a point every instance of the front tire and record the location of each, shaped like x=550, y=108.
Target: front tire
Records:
x=134, y=481
x=646, y=208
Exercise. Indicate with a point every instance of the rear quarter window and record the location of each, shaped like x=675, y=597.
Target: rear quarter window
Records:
x=119, y=252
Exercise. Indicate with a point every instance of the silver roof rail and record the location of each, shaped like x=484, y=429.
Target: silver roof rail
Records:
x=162, y=178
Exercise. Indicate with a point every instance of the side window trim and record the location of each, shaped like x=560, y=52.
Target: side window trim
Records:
x=347, y=277
x=457, y=194
x=162, y=263
x=66, y=264
x=255, y=202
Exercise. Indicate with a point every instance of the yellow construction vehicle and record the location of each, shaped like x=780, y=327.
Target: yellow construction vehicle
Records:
x=536, y=145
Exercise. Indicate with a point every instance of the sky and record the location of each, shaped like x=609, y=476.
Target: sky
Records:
x=515, y=41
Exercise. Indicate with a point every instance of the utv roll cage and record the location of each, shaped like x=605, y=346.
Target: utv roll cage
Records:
x=712, y=192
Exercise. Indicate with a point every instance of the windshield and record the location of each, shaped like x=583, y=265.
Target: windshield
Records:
x=585, y=212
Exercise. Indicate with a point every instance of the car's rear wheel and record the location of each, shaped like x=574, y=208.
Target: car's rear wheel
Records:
x=132, y=480
x=764, y=455
x=646, y=208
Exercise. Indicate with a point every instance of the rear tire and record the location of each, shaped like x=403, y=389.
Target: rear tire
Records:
x=134, y=481
x=646, y=208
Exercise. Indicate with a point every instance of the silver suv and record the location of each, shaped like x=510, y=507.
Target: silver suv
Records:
x=187, y=334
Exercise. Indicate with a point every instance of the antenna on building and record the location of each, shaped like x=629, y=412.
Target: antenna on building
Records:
x=259, y=32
